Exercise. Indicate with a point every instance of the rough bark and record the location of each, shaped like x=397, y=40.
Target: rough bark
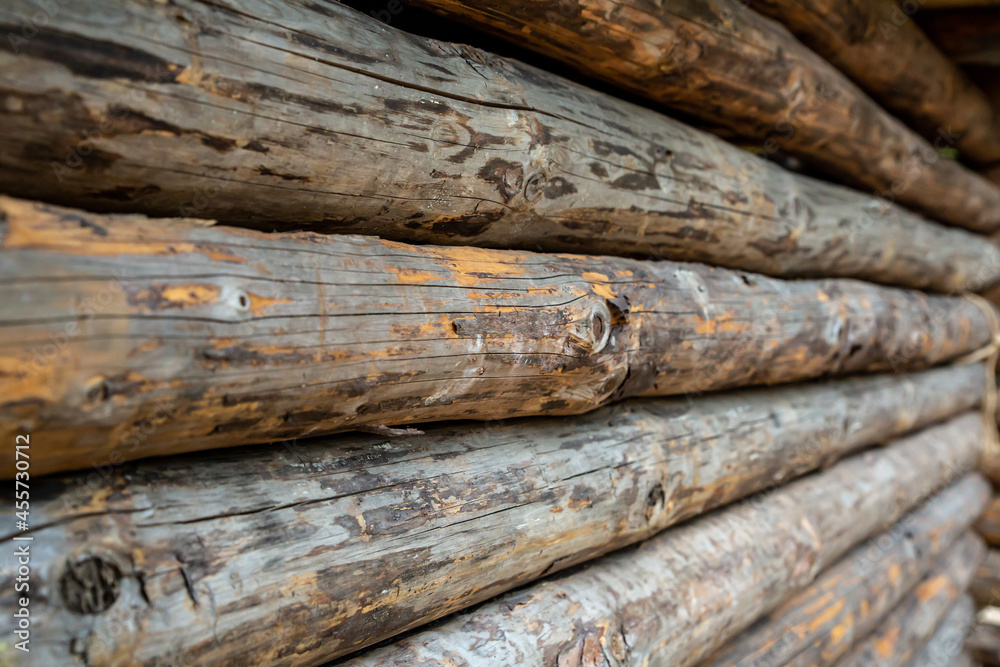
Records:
x=989, y=524
x=912, y=623
x=946, y=646
x=847, y=601
x=984, y=643
x=133, y=337
x=748, y=76
x=968, y=36
x=676, y=597
x=444, y=520
x=884, y=51
x=986, y=586
x=315, y=116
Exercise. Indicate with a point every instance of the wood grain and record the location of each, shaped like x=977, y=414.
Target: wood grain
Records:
x=882, y=49
x=848, y=601
x=443, y=520
x=678, y=596
x=911, y=625
x=298, y=115
x=135, y=337
x=745, y=76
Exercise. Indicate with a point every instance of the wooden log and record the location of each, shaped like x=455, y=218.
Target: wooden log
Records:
x=884, y=51
x=912, y=623
x=350, y=518
x=678, y=596
x=946, y=647
x=986, y=586
x=984, y=643
x=847, y=602
x=989, y=524
x=135, y=337
x=748, y=76
x=337, y=123
x=968, y=36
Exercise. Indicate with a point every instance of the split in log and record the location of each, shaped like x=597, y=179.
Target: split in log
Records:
x=946, y=646
x=968, y=36
x=680, y=595
x=912, y=623
x=344, y=520
x=748, y=76
x=986, y=586
x=847, y=602
x=135, y=337
x=883, y=50
x=989, y=525
x=316, y=116
x=984, y=643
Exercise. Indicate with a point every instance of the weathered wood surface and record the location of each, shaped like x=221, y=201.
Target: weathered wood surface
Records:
x=678, y=596
x=846, y=602
x=912, y=623
x=343, y=520
x=984, y=643
x=132, y=337
x=748, y=76
x=968, y=36
x=946, y=647
x=316, y=116
x=986, y=586
x=989, y=524
x=884, y=51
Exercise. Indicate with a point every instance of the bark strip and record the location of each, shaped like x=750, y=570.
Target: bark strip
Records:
x=443, y=520
x=296, y=115
x=848, y=601
x=911, y=625
x=135, y=337
x=748, y=76
x=884, y=51
x=676, y=597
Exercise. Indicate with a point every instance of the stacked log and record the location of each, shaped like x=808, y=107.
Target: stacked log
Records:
x=747, y=76
x=374, y=536
x=947, y=644
x=138, y=337
x=330, y=121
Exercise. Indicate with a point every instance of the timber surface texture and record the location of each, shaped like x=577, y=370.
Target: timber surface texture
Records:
x=315, y=116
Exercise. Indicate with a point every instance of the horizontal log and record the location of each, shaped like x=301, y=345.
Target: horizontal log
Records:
x=678, y=596
x=884, y=51
x=983, y=643
x=135, y=337
x=912, y=623
x=747, y=76
x=331, y=121
x=946, y=647
x=846, y=602
x=968, y=36
x=985, y=587
x=538, y=495
x=989, y=523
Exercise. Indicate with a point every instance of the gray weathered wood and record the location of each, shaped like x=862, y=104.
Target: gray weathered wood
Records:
x=134, y=337
x=443, y=520
x=679, y=595
x=946, y=647
x=746, y=76
x=849, y=600
x=912, y=623
x=315, y=116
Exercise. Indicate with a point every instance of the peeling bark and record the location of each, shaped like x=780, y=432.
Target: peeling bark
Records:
x=912, y=624
x=368, y=538
x=884, y=51
x=847, y=602
x=746, y=76
x=676, y=597
x=297, y=115
x=135, y=337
